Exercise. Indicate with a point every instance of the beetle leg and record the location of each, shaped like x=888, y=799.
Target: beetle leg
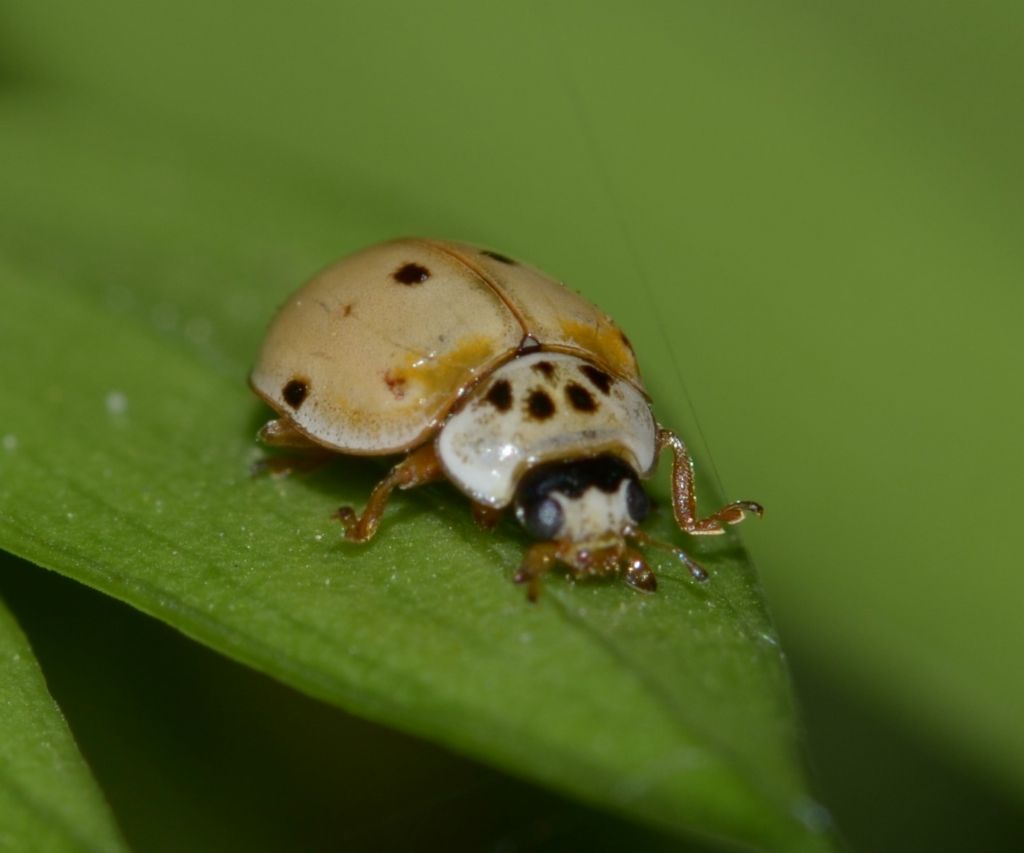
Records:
x=419, y=467
x=638, y=573
x=699, y=572
x=487, y=517
x=538, y=561
x=282, y=432
x=684, y=497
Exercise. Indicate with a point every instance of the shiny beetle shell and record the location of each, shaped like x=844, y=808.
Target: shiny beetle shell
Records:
x=371, y=355
x=488, y=373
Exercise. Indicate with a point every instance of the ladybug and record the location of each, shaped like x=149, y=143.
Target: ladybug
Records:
x=488, y=373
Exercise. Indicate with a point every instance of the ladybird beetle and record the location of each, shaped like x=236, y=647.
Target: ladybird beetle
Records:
x=486, y=372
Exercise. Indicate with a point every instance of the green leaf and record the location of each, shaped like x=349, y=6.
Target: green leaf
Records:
x=189, y=744
x=125, y=463
x=48, y=799
x=820, y=203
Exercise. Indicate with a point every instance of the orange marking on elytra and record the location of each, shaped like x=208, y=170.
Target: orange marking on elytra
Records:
x=396, y=383
x=604, y=340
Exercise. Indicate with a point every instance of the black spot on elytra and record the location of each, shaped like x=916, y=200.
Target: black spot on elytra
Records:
x=295, y=392
x=544, y=367
x=411, y=274
x=505, y=259
x=540, y=405
x=500, y=395
x=625, y=341
x=580, y=398
x=602, y=381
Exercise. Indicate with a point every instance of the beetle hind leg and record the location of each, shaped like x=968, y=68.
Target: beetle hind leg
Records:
x=418, y=468
x=684, y=496
x=282, y=433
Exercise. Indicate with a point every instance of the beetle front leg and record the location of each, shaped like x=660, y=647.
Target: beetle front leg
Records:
x=418, y=468
x=684, y=496
x=537, y=562
x=698, y=572
x=486, y=517
x=638, y=573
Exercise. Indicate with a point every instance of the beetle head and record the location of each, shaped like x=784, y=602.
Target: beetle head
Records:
x=589, y=501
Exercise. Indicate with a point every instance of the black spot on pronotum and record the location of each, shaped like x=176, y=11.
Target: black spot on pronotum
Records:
x=540, y=405
x=602, y=381
x=580, y=398
x=500, y=395
x=295, y=392
x=505, y=259
x=544, y=367
x=411, y=274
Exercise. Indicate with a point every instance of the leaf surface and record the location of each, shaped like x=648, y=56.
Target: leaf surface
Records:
x=137, y=281
x=48, y=798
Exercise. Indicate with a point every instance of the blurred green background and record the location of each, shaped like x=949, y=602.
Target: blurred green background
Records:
x=807, y=216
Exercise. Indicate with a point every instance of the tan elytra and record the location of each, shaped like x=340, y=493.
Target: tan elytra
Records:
x=387, y=340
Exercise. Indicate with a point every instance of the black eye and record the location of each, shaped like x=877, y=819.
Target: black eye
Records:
x=544, y=518
x=637, y=502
